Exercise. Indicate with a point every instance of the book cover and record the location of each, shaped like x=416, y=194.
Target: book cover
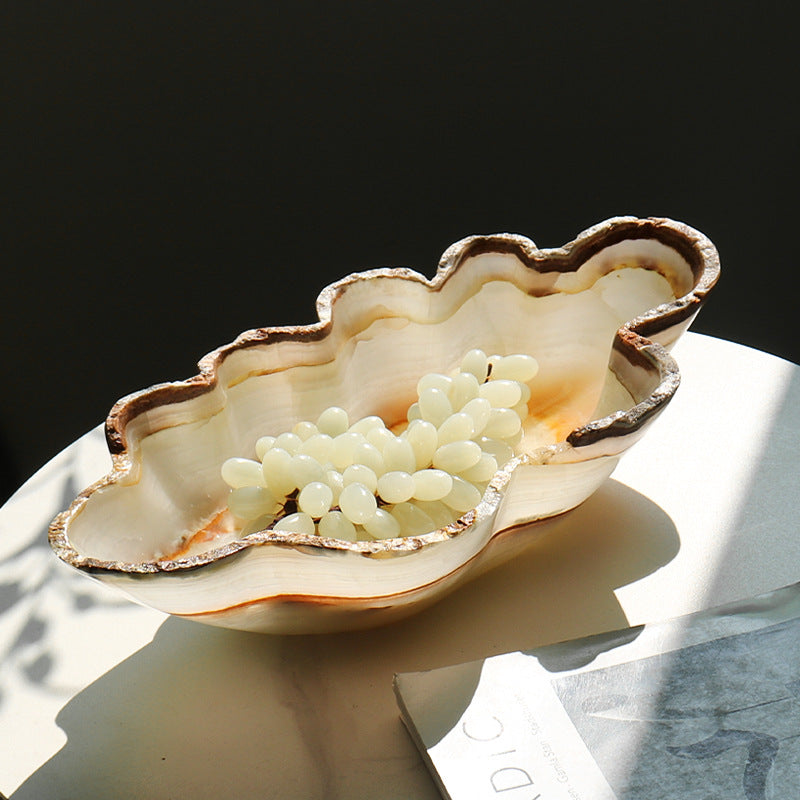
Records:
x=705, y=706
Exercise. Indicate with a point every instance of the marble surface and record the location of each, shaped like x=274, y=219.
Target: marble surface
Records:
x=100, y=697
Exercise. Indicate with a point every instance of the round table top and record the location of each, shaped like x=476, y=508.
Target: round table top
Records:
x=99, y=695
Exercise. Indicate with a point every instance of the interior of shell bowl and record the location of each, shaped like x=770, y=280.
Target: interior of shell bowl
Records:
x=593, y=314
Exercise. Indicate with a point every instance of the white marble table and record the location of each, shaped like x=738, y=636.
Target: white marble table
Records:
x=102, y=698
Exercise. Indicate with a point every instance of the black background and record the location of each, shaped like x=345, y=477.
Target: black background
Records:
x=178, y=172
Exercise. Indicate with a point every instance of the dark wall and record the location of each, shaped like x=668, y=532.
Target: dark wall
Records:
x=179, y=172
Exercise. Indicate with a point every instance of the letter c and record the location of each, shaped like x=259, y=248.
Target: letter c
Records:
x=481, y=735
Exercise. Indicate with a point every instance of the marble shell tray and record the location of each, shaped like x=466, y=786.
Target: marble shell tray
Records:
x=599, y=314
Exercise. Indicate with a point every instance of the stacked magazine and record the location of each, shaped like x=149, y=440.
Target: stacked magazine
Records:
x=705, y=706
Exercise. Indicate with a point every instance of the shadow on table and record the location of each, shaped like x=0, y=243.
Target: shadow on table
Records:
x=206, y=712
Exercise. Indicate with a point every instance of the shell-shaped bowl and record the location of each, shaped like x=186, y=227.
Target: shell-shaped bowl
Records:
x=597, y=314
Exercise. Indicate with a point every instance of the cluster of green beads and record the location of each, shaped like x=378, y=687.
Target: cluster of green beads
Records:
x=362, y=481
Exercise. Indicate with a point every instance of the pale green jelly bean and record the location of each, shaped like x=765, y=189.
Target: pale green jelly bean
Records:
x=382, y=525
x=296, y=523
x=413, y=412
x=358, y=503
x=369, y=455
x=333, y=421
x=238, y=472
x=521, y=410
x=263, y=444
x=513, y=440
x=412, y=520
x=290, y=442
x=335, y=480
x=358, y=473
x=378, y=437
x=526, y=392
x=463, y=496
x=258, y=524
x=366, y=424
x=305, y=430
x=335, y=525
x=424, y=439
x=481, y=472
x=503, y=422
x=456, y=428
x=476, y=363
x=305, y=469
x=463, y=388
x=396, y=487
x=250, y=502
x=479, y=409
x=441, y=514
x=398, y=455
x=517, y=367
x=494, y=447
x=315, y=499
x=431, y=484
x=457, y=456
x=434, y=406
x=319, y=446
x=501, y=394
x=434, y=380
x=343, y=446
x=275, y=467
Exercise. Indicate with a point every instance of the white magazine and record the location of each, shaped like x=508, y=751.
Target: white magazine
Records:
x=704, y=706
